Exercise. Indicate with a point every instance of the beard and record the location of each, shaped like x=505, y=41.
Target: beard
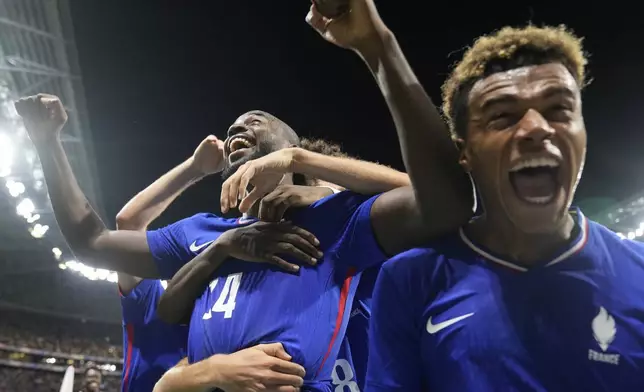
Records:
x=261, y=150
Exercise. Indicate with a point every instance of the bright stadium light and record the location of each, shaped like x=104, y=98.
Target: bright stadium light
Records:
x=33, y=218
x=630, y=235
x=25, y=208
x=6, y=155
x=89, y=272
x=38, y=231
x=57, y=253
x=16, y=188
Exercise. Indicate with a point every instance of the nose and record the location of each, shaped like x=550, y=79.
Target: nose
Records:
x=534, y=128
x=235, y=129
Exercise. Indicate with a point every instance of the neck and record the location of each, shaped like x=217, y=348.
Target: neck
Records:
x=523, y=248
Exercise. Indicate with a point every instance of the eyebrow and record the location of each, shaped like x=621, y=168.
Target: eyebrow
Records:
x=512, y=98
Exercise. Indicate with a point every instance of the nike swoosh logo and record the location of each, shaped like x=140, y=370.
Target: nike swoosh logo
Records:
x=242, y=221
x=433, y=328
x=196, y=248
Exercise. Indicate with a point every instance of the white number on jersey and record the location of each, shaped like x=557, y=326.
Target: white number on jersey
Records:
x=346, y=383
x=226, y=301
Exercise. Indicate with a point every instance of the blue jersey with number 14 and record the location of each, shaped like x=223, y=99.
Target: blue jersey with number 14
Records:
x=252, y=303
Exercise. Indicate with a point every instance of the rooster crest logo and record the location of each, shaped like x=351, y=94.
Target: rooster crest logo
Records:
x=604, y=328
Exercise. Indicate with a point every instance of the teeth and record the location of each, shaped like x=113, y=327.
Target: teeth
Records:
x=239, y=143
x=535, y=162
x=539, y=199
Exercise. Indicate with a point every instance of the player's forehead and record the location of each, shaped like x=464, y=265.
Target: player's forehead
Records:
x=524, y=83
x=252, y=115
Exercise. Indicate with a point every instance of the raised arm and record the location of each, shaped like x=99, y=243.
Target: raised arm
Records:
x=148, y=204
x=442, y=190
x=352, y=174
x=88, y=237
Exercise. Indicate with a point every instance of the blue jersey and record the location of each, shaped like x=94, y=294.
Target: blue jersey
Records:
x=349, y=371
x=456, y=317
x=150, y=346
x=252, y=303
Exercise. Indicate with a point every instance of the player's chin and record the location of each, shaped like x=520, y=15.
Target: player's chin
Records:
x=538, y=216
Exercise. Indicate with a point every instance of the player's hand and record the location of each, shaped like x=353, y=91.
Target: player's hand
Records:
x=263, y=242
x=266, y=367
x=264, y=174
x=44, y=116
x=273, y=206
x=358, y=29
x=208, y=158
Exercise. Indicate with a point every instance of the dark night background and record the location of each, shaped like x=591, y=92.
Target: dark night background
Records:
x=161, y=75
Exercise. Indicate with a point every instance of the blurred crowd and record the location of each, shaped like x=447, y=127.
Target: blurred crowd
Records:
x=25, y=330
x=70, y=336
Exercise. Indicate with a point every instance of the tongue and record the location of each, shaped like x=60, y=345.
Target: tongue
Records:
x=534, y=183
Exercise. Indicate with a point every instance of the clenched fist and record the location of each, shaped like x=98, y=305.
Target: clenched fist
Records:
x=358, y=29
x=208, y=158
x=44, y=116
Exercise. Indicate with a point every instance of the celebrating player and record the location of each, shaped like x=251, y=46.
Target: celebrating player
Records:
x=151, y=346
x=532, y=295
x=353, y=230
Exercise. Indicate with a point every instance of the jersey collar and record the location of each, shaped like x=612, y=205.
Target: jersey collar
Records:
x=573, y=247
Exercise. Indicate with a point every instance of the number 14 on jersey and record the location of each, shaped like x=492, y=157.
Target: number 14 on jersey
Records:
x=225, y=303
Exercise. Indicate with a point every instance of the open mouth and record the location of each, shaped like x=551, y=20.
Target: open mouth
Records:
x=536, y=180
x=239, y=146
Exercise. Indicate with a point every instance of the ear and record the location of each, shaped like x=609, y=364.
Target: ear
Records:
x=293, y=145
x=464, y=157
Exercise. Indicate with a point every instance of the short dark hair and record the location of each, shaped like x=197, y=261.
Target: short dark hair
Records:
x=91, y=366
x=503, y=50
x=319, y=146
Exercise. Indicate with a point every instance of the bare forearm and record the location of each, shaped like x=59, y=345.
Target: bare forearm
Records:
x=148, y=204
x=197, y=377
x=79, y=223
x=85, y=232
x=355, y=175
x=188, y=283
x=430, y=156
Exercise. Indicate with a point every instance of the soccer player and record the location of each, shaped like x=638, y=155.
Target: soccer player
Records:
x=178, y=301
x=152, y=346
x=531, y=296
x=355, y=232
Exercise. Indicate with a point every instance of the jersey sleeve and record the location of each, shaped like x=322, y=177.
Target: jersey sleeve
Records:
x=393, y=341
x=169, y=247
x=346, y=226
x=140, y=304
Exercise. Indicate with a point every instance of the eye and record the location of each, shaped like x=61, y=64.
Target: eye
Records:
x=559, y=113
x=501, y=120
x=254, y=123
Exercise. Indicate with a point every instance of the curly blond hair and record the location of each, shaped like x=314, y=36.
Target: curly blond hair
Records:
x=506, y=49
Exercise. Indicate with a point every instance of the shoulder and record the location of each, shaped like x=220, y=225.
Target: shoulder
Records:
x=603, y=239
x=345, y=199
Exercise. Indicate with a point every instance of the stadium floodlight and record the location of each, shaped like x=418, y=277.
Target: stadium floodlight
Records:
x=33, y=218
x=6, y=155
x=16, y=188
x=630, y=235
x=25, y=208
x=57, y=253
x=62, y=266
x=38, y=231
